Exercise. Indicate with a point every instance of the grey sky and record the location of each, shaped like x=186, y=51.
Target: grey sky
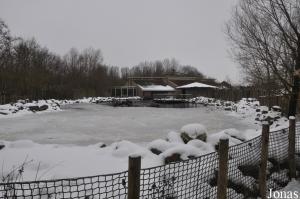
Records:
x=130, y=31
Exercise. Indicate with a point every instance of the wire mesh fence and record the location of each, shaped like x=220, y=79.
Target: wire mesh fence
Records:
x=103, y=186
x=243, y=169
x=278, y=159
x=298, y=139
x=297, y=158
x=193, y=178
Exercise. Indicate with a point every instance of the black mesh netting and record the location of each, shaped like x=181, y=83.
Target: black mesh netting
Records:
x=193, y=178
x=103, y=186
x=243, y=169
x=278, y=164
x=298, y=148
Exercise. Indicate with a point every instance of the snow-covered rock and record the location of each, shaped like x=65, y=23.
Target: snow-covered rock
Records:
x=125, y=148
x=159, y=146
x=203, y=146
x=174, y=137
x=184, y=151
x=195, y=131
x=22, y=107
x=214, y=139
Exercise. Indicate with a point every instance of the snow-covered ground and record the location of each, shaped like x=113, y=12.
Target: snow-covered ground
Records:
x=70, y=143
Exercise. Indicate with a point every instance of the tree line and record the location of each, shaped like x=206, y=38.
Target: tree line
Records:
x=30, y=71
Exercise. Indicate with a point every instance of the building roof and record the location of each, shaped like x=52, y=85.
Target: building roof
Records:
x=165, y=88
x=181, y=82
x=196, y=85
x=149, y=82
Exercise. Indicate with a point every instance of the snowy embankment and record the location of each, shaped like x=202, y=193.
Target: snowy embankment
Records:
x=24, y=107
x=50, y=161
x=248, y=109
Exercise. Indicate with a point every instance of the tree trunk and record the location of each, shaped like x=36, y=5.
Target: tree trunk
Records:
x=295, y=89
x=269, y=88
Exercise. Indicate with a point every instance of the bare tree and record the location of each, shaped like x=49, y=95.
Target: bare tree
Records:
x=5, y=57
x=265, y=38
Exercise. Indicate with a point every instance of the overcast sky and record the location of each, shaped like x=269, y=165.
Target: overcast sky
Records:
x=130, y=31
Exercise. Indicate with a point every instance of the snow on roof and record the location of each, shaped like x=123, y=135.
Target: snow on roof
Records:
x=196, y=85
x=156, y=88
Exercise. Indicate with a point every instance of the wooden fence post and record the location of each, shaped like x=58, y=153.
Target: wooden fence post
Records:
x=292, y=145
x=223, y=169
x=134, y=171
x=264, y=160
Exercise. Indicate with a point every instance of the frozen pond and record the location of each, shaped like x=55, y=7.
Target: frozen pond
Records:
x=85, y=124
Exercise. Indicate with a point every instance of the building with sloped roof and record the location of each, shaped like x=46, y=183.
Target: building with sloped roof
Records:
x=158, y=87
x=196, y=89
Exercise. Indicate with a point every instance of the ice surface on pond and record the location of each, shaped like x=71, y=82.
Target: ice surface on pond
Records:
x=86, y=124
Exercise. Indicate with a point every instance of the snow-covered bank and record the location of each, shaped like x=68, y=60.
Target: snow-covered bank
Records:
x=24, y=107
x=248, y=109
x=45, y=161
x=97, y=100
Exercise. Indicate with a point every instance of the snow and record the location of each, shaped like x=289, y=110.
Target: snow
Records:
x=125, y=148
x=174, y=137
x=202, y=146
x=235, y=133
x=19, y=144
x=193, y=130
x=22, y=108
x=185, y=151
x=249, y=134
x=214, y=138
x=161, y=145
x=59, y=161
x=292, y=118
x=249, y=109
x=196, y=85
x=156, y=88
